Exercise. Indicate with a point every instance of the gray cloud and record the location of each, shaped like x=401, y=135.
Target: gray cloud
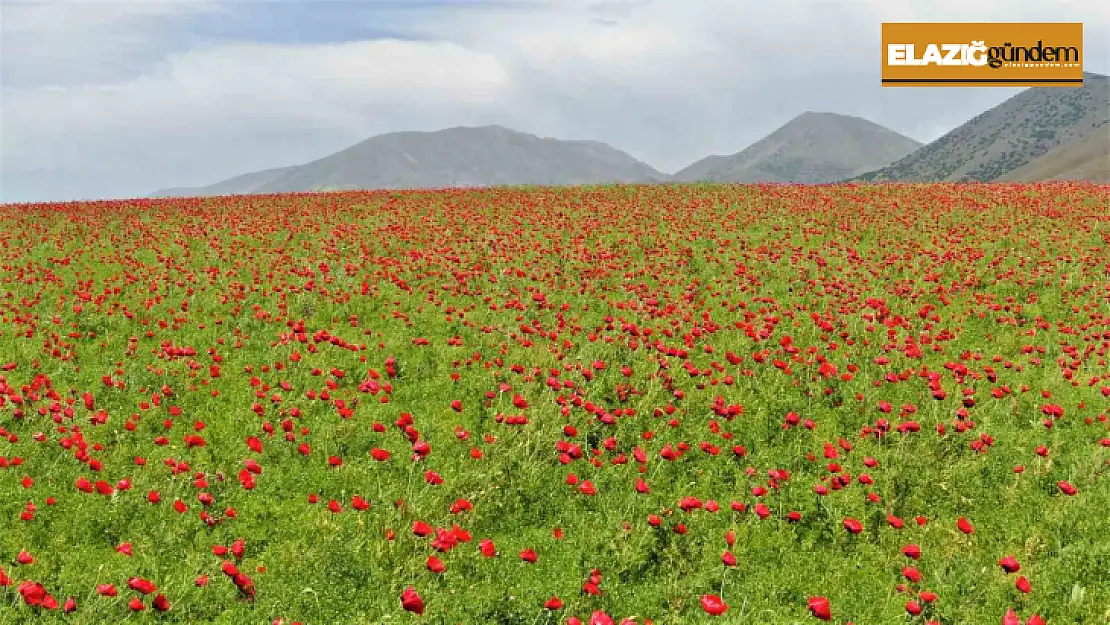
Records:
x=668, y=82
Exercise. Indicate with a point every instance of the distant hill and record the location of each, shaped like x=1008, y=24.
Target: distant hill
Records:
x=1008, y=136
x=239, y=185
x=1086, y=158
x=470, y=156
x=811, y=148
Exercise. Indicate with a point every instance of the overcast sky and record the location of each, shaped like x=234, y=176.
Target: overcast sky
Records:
x=118, y=99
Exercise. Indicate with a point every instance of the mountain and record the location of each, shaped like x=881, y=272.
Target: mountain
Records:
x=1008, y=136
x=470, y=156
x=1086, y=158
x=811, y=148
x=239, y=185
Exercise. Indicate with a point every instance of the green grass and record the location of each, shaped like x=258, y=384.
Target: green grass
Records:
x=700, y=266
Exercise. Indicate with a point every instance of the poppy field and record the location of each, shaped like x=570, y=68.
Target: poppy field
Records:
x=596, y=405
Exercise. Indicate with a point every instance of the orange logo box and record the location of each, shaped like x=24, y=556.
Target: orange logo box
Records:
x=982, y=55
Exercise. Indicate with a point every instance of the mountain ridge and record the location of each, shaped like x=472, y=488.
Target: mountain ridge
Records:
x=813, y=147
x=489, y=155
x=1086, y=158
x=1004, y=138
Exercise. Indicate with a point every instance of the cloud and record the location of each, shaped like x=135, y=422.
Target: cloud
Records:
x=208, y=113
x=134, y=96
x=52, y=42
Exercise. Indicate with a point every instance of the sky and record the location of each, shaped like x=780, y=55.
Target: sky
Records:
x=118, y=99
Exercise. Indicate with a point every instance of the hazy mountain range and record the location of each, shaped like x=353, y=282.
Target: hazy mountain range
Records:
x=1039, y=134
x=465, y=156
x=812, y=147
